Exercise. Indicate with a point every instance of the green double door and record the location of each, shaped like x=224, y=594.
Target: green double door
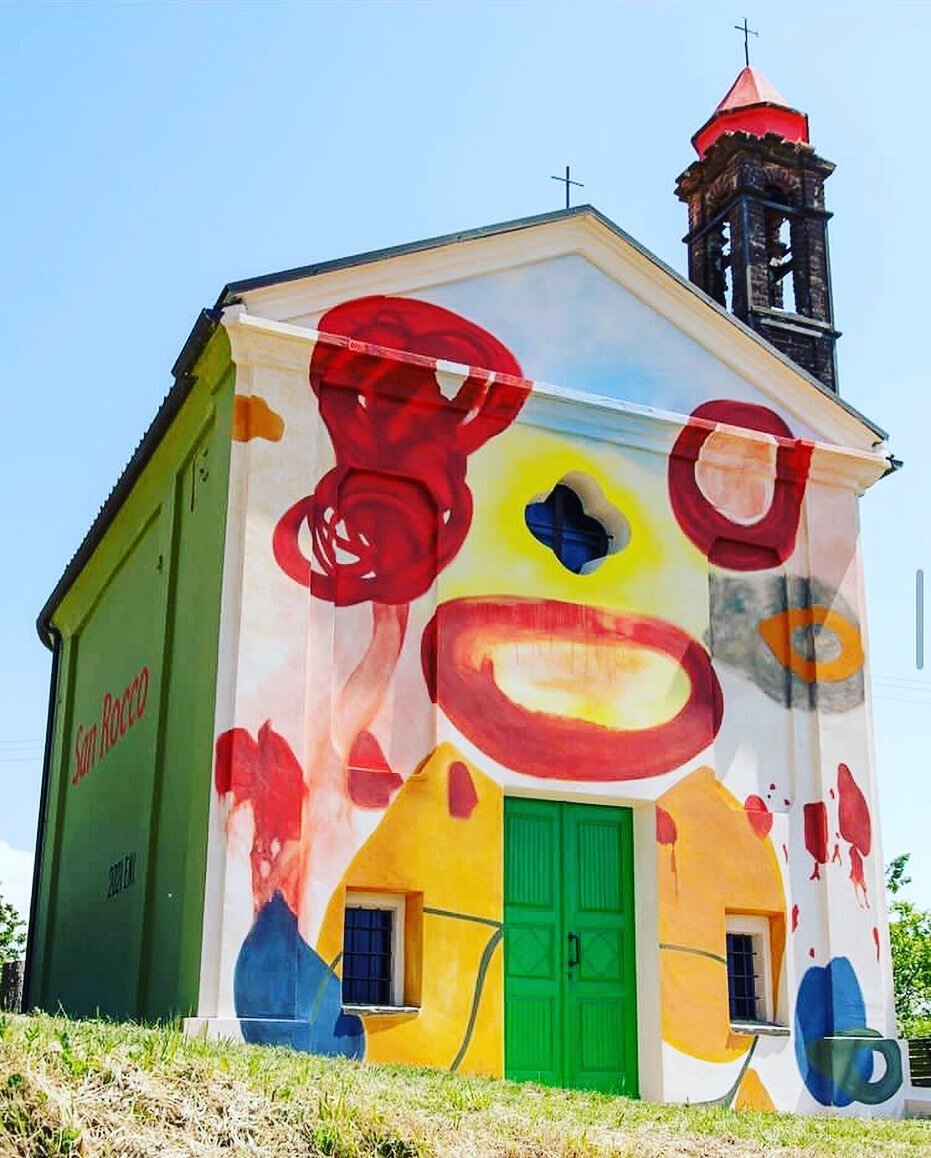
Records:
x=570, y=1003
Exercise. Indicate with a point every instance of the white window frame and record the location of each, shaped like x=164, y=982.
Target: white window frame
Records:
x=758, y=928
x=395, y=903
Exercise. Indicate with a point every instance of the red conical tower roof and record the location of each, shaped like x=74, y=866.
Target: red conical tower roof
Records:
x=752, y=105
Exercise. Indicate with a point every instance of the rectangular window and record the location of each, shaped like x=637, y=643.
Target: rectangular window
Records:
x=749, y=969
x=373, y=940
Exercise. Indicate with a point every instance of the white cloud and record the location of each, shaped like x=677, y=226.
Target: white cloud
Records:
x=16, y=877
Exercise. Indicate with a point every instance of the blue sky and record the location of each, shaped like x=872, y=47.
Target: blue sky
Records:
x=153, y=152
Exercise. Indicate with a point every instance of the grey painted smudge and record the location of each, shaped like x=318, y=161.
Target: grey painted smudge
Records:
x=739, y=605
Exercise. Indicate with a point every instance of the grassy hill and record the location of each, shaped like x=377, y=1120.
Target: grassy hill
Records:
x=96, y=1088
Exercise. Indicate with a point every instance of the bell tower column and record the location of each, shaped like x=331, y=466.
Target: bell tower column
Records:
x=757, y=237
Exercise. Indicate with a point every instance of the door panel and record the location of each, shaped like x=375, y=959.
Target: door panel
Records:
x=533, y=947
x=599, y=905
x=570, y=999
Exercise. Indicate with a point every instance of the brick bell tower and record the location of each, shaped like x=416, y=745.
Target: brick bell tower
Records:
x=758, y=229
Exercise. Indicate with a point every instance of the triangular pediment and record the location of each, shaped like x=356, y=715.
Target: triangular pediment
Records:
x=581, y=305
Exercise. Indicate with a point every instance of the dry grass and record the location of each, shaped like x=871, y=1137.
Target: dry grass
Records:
x=96, y=1088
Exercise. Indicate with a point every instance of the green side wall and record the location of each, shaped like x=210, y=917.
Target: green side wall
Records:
x=121, y=889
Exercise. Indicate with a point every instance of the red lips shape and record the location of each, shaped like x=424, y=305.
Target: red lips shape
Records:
x=457, y=661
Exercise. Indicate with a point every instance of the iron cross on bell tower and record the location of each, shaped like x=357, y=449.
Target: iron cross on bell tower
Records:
x=748, y=32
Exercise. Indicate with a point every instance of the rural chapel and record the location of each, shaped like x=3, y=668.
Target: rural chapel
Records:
x=469, y=667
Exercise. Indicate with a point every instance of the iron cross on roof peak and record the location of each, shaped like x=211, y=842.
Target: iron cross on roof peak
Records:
x=748, y=32
x=567, y=182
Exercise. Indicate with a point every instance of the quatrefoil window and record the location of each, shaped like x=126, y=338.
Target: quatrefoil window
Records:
x=577, y=524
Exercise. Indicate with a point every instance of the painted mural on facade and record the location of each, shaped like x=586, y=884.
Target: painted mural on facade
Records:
x=447, y=604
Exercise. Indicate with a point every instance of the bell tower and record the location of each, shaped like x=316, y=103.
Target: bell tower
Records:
x=758, y=229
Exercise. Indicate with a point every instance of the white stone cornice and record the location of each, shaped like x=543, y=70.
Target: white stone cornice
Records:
x=262, y=342
x=646, y=428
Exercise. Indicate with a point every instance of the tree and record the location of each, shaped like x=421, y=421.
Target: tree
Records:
x=12, y=932
x=910, y=936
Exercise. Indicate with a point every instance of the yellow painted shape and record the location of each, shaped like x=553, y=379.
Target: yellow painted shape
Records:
x=254, y=418
x=659, y=572
x=721, y=866
x=777, y=632
x=753, y=1095
x=442, y=863
x=603, y=682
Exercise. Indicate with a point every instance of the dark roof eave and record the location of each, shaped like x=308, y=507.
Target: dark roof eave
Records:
x=202, y=331
x=234, y=289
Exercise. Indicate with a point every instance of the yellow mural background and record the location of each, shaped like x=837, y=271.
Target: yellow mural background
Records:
x=454, y=865
x=718, y=865
x=659, y=572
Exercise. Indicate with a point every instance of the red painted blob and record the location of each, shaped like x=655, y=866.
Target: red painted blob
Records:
x=816, y=834
x=771, y=539
x=395, y=508
x=794, y=917
x=666, y=831
x=370, y=779
x=854, y=813
x=876, y=941
x=265, y=774
x=667, y=834
x=761, y=819
x=457, y=649
x=461, y=794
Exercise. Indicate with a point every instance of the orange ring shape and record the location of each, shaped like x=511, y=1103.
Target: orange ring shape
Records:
x=455, y=652
x=777, y=632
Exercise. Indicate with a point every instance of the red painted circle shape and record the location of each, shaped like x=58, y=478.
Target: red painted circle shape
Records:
x=771, y=540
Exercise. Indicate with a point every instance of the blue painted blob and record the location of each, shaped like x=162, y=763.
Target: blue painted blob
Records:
x=286, y=994
x=829, y=1003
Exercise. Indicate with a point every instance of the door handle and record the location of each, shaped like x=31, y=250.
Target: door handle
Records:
x=575, y=950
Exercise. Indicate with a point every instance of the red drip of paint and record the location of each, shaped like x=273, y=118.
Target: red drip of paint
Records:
x=835, y=855
x=854, y=814
x=857, y=876
x=668, y=833
x=794, y=917
x=370, y=779
x=811, y=951
x=761, y=819
x=876, y=941
x=785, y=853
x=815, y=817
x=461, y=795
